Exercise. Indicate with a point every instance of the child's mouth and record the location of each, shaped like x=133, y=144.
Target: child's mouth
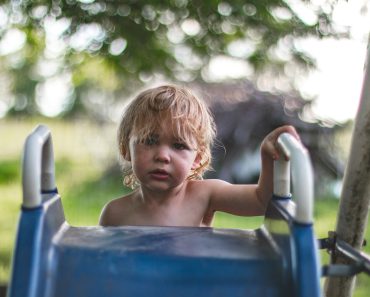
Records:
x=159, y=174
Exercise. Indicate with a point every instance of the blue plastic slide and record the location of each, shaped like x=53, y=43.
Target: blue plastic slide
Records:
x=52, y=258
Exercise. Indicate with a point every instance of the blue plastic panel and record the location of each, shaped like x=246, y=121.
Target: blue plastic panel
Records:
x=53, y=259
x=165, y=261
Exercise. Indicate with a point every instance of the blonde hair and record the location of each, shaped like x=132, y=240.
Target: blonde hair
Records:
x=190, y=117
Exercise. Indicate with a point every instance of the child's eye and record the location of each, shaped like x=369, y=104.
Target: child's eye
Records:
x=151, y=140
x=180, y=146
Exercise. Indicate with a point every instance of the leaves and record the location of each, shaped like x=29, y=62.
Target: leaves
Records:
x=137, y=41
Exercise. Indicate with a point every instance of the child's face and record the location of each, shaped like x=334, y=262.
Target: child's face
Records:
x=162, y=161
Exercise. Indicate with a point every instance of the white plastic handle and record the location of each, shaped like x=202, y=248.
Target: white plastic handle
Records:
x=38, y=166
x=302, y=176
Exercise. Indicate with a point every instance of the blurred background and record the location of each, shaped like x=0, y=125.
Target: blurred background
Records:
x=73, y=65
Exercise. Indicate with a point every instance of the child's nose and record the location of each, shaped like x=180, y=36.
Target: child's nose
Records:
x=163, y=154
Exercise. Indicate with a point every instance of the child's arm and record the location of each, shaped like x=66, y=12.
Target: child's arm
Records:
x=249, y=200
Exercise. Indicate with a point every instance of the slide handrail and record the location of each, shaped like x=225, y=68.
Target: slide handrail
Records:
x=295, y=163
x=38, y=171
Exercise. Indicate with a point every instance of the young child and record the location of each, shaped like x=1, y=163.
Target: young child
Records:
x=165, y=139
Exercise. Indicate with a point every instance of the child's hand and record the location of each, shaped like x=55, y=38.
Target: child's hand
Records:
x=268, y=146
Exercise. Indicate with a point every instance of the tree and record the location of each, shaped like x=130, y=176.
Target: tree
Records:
x=355, y=197
x=114, y=46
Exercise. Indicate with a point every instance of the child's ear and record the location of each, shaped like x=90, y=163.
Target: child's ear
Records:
x=197, y=161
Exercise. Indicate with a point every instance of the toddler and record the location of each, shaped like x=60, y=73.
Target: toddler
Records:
x=165, y=138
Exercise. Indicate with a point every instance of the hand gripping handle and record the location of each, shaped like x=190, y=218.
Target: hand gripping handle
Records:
x=295, y=158
x=38, y=174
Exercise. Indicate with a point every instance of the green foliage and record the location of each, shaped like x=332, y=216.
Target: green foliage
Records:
x=84, y=202
x=115, y=46
x=9, y=171
x=225, y=220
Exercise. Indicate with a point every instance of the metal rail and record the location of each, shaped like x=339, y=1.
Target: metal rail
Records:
x=38, y=172
x=296, y=164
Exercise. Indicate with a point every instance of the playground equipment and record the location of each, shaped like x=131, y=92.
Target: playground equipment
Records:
x=280, y=258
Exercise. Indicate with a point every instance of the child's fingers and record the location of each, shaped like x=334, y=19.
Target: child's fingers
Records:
x=269, y=148
x=289, y=129
x=270, y=142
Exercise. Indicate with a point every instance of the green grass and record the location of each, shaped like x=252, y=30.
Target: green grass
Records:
x=90, y=196
x=81, y=152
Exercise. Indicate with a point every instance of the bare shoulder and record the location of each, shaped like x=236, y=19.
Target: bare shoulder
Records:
x=114, y=210
x=210, y=185
x=206, y=188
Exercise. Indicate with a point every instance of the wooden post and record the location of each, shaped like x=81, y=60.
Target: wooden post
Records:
x=355, y=196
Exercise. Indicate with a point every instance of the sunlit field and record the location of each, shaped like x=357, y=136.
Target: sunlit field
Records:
x=84, y=153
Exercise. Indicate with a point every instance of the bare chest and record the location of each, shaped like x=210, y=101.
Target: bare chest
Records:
x=189, y=211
